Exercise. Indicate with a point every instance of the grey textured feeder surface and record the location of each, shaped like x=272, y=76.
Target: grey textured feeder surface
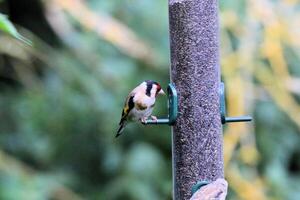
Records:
x=197, y=136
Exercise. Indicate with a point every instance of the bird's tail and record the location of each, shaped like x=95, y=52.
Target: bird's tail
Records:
x=121, y=128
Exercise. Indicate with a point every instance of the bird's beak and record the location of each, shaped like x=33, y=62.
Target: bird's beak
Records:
x=162, y=92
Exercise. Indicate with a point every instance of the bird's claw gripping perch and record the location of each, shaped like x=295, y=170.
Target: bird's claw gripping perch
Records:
x=143, y=120
x=154, y=118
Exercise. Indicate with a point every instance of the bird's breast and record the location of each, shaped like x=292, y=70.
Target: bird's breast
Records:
x=136, y=114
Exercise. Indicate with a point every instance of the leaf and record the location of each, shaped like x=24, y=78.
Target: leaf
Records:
x=7, y=27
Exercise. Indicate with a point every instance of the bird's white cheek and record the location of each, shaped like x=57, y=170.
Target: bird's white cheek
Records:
x=149, y=101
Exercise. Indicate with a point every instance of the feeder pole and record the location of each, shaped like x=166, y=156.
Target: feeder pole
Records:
x=197, y=135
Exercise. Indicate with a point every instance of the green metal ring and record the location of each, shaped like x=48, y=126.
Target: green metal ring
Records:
x=198, y=185
x=224, y=118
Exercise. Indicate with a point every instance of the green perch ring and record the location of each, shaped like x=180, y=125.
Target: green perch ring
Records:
x=225, y=119
x=198, y=185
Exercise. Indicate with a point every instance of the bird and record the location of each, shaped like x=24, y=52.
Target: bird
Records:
x=139, y=104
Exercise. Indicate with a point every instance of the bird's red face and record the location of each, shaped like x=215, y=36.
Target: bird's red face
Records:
x=159, y=90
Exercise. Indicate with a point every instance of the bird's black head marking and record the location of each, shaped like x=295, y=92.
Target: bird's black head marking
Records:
x=150, y=84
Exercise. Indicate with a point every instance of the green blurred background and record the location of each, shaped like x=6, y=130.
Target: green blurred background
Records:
x=61, y=100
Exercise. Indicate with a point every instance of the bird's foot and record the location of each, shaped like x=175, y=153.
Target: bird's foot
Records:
x=154, y=118
x=143, y=120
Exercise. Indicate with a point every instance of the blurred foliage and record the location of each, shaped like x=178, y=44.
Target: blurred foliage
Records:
x=7, y=27
x=260, y=52
x=61, y=99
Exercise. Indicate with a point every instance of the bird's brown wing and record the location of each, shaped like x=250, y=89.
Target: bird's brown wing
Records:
x=129, y=105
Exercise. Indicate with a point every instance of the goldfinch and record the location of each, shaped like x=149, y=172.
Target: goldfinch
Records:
x=139, y=104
